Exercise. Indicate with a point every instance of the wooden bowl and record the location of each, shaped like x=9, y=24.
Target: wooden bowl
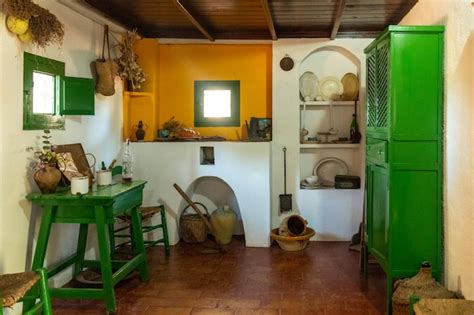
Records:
x=293, y=243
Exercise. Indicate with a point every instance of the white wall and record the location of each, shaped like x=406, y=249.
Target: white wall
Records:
x=334, y=214
x=458, y=17
x=244, y=166
x=99, y=134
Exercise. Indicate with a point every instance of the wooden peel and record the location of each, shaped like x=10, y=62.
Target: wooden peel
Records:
x=204, y=219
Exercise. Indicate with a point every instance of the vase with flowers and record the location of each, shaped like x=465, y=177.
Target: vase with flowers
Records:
x=47, y=175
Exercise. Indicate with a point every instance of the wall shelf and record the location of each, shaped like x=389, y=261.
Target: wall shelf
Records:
x=138, y=94
x=328, y=103
x=329, y=145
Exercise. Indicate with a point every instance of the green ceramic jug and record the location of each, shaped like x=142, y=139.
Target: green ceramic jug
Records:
x=223, y=221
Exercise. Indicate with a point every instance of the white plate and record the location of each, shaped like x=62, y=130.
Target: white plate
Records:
x=309, y=86
x=327, y=169
x=330, y=88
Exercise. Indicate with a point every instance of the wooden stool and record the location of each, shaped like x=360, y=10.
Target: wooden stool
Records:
x=145, y=213
x=14, y=288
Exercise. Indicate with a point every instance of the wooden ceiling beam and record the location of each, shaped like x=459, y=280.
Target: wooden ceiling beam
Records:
x=193, y=20
x=269, y=19
x=337, y=21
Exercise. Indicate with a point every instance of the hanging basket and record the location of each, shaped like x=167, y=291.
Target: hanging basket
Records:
x=106, y=69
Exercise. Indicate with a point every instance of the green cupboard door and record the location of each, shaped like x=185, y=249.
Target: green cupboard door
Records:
x=78, y=96
x=379, y=216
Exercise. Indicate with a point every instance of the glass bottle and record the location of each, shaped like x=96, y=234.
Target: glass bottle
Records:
x=127, y=164
x=355, y=135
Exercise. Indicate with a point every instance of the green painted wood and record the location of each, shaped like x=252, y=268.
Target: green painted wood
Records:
x=403, y=208
x=33, y=63
x=78, y=96
x=99, y=208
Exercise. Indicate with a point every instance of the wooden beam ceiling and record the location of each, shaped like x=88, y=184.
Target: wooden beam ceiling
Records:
x=337, y=21
x=254, y=19
x=268, y=17
x=193, y=20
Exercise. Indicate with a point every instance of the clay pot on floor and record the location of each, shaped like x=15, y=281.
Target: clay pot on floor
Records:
x=223, y=221
x=47, y=179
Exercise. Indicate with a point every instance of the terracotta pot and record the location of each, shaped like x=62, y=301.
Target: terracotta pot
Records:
x=47, y=179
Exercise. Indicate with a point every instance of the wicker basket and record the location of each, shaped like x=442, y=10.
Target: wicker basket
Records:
x=191, y=227
x=422, y=285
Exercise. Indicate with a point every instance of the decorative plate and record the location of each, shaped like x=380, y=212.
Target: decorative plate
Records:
x=327, y=169
x=350, y=83
x=330, y=88
x=309, y=86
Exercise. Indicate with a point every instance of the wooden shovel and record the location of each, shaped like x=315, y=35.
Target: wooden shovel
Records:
x=206, y=221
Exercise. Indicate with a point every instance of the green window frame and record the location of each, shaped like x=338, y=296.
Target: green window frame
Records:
x=31, y=121
x=233, y=120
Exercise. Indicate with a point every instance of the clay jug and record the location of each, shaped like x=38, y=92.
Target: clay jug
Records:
x=223, y=221
x=47, y=179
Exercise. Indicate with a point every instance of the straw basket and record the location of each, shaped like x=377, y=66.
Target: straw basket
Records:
x=422, y=285
x=191, y=227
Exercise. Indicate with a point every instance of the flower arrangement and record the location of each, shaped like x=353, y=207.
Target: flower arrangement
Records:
x=45, y=157
x=129, y=68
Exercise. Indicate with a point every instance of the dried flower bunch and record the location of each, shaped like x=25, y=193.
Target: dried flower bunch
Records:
x=45, y=156
x=173, y=126
x=129, y=68
x=43, y=29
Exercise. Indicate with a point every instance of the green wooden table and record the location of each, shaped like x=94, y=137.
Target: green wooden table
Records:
x=99, y=208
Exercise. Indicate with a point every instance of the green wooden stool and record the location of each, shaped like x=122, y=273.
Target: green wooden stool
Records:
x=145, y=213
x=17, y=287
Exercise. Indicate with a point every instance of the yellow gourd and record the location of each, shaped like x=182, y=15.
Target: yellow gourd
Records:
x=26, y=37
x=16, y=25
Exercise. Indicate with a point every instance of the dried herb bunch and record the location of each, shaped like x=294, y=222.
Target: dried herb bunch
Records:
x=129, y=68
x=44, y=27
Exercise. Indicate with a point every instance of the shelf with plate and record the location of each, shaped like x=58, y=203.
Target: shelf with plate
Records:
x=310, y=104
x=315, y=145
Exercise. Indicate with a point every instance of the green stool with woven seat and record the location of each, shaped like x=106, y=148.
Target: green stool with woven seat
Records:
x=146, y=213
x=17, y=287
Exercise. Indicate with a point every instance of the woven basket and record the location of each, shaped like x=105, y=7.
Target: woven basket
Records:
x=422, y=285
x=191, y=227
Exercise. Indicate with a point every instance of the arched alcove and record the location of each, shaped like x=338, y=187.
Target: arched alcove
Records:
x=214, y=193
x=331, y=60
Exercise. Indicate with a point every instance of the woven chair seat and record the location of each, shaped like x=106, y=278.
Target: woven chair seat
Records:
x=145, y=213
x=14, y=286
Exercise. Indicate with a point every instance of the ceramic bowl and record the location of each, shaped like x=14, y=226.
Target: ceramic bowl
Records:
x=313, y=179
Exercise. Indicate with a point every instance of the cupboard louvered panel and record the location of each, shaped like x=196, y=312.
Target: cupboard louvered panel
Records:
x=371, y=91
x=383, y=83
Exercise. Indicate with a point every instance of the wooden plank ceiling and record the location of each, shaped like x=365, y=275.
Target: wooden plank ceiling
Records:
x=254, y=19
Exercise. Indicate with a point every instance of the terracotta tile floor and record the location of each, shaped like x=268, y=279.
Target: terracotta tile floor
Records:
x=323, y=279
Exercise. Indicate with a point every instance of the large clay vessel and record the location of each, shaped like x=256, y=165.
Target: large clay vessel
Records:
x=47, y=179
x=223, y=221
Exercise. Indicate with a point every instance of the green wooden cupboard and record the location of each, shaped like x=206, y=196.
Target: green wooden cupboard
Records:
x=404, y=133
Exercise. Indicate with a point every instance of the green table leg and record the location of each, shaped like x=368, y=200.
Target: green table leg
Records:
x=105, y=262
x=81, y=247
x=44, y=292
x=41, y=245
x=137, y=240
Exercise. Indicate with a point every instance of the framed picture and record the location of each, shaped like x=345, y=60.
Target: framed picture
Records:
x=75, y=160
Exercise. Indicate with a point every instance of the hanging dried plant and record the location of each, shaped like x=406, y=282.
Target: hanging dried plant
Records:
x=129, y=68
x=44, y=27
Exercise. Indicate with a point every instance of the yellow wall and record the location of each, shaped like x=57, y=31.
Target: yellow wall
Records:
x=181, y=65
